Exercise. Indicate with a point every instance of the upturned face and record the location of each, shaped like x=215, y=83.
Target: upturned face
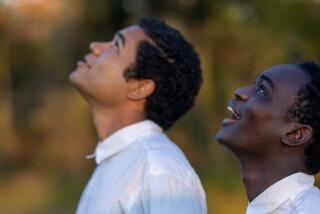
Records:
x=99, y=77
x=258, y=111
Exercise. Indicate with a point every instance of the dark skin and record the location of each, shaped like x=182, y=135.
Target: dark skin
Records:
x=269, y=146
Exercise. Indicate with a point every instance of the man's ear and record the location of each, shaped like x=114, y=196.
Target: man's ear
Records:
x=140, y=89
x=300, y=135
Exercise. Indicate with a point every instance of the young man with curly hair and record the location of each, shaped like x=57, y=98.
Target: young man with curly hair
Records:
x=138, y=85
x=275, y=132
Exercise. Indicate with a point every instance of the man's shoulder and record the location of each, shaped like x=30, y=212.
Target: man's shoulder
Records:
x=163, y=157
x=308, y=201
x=311, y=195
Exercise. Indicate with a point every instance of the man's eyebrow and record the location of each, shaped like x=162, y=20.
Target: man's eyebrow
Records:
x=267, y=79
x=122, y=38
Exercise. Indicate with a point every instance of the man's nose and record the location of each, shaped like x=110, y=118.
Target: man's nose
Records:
x=242, y=93
x=97, y=48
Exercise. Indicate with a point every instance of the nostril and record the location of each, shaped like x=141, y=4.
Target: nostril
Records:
x=95, y=51
x=243, y=97
x=98, y=47
x=239, y=94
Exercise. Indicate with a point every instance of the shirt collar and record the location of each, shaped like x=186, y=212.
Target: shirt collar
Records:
x=122, y=138
x=279, y=192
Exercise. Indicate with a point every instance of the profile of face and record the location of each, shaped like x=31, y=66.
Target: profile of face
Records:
x=258, y=124
x=99, y=77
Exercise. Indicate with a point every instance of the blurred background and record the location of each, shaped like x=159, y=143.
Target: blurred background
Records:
x=45, y=126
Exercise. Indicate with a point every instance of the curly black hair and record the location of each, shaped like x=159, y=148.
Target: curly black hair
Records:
x=306, y=110
x=173, y=64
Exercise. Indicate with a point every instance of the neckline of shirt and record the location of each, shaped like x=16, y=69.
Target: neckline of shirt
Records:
x=279, y=192
x=123, y=138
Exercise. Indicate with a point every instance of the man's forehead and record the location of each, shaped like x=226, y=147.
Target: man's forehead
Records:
x=287, y=81
x=288, y=75
x=133, y=32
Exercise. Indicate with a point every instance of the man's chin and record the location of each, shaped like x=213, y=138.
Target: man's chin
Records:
x=73, y=77
x=233, y=142
x=222, y=136
x=226, y=138
x=77, y=83
x=75, y=80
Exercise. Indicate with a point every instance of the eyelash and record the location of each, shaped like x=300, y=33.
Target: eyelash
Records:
x=115, y=45
x=261, y=91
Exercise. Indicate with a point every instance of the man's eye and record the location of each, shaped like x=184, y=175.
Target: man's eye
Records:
x=261, y=91
x=115, y=45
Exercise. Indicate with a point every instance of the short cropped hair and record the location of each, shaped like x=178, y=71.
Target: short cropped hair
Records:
x=173, y=64
x=306, y=110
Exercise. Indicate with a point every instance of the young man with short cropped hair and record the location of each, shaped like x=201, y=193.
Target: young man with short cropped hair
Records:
x=274, y=130
x=138, y=85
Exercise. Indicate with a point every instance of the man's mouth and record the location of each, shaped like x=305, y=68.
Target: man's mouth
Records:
x=235, y=116
x=234, y=113
x=83, y=65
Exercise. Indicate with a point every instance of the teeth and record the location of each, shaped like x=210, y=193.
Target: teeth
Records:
x=234, y=113
x=231, y=109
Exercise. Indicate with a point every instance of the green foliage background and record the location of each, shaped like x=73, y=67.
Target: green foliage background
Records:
x=45, y=126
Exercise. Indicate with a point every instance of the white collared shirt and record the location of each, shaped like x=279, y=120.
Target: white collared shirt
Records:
x=295, y=194
x=139, y=171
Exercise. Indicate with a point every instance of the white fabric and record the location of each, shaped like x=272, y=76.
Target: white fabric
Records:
x=295, y=194
x=141, y=171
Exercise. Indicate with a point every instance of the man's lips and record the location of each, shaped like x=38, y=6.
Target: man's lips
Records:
x=228, y=121
x=235, y=116
x=83, y=66
x=87, y=63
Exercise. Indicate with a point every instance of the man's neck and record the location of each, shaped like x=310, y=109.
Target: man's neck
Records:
x=259, y=174
x=108, y=121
